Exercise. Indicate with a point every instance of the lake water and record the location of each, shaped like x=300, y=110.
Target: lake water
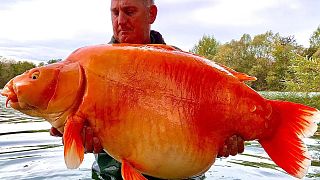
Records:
x=27, y=151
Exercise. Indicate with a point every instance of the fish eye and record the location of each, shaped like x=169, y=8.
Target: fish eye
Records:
x=35, y=75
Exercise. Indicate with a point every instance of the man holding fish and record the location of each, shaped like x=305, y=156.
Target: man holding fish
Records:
x=156, y=109
x=131, y=21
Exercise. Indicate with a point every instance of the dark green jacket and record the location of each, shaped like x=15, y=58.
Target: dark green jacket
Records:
x=155, y=37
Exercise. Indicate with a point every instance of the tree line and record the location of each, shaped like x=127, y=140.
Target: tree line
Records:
x=278, y=62
x=10, y=68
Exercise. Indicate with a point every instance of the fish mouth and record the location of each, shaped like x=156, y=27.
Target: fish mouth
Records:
x=12, y=97
x=15, y=102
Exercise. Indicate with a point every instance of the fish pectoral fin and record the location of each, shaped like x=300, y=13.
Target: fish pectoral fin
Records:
x=129, y=173
x=73, y=145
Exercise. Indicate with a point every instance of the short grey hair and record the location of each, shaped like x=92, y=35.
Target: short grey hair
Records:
x=149, y=2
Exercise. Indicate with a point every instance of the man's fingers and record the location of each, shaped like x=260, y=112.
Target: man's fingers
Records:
x=233, y=146
x=97, y=148
x=55, y=132
x=221, y=151
x=226, y=151
x=240, y=143
x=83, y=136
x=91, y=143
x=88, y=143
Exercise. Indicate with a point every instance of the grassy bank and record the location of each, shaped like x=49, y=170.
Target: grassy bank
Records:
x=310, y=98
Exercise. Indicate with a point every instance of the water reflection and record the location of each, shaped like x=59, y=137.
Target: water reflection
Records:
x=27, y=151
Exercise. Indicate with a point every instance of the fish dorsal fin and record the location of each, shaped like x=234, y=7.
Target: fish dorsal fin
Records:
x=146, y=46
x=129, y=173
x=163, y=46
x=241, y=76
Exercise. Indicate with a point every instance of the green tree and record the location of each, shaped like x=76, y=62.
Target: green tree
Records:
x=266, y=56
x=5, y=73
x=10, y=69
x=315, y=38
x=260, y=70
x=41, y=64
x=314, y=49
x=20, y=67
x=251, y=56
x=2, y=69
x=207, y=47
x=53, y=61
x=273, y=54
x=284, y=50
x=306, y=75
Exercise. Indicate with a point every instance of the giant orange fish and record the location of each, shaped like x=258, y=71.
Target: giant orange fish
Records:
x=160, y=111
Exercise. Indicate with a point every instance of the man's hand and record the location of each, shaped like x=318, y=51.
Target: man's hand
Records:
x=232, y=146
x=90, y=142
x=55, y=132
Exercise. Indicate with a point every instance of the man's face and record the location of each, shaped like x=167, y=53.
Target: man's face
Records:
x=131, y=20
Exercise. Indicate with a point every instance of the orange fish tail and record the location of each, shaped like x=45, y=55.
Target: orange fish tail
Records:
x=73, y=146
x=285, y=147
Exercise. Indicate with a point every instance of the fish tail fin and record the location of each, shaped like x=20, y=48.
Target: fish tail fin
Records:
x=285, y=147
x=73, y=145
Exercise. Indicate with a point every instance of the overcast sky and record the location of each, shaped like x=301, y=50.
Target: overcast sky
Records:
x=50, y=29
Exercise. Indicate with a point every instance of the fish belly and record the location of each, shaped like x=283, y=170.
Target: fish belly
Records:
x=159, y=136
x=158, y=147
